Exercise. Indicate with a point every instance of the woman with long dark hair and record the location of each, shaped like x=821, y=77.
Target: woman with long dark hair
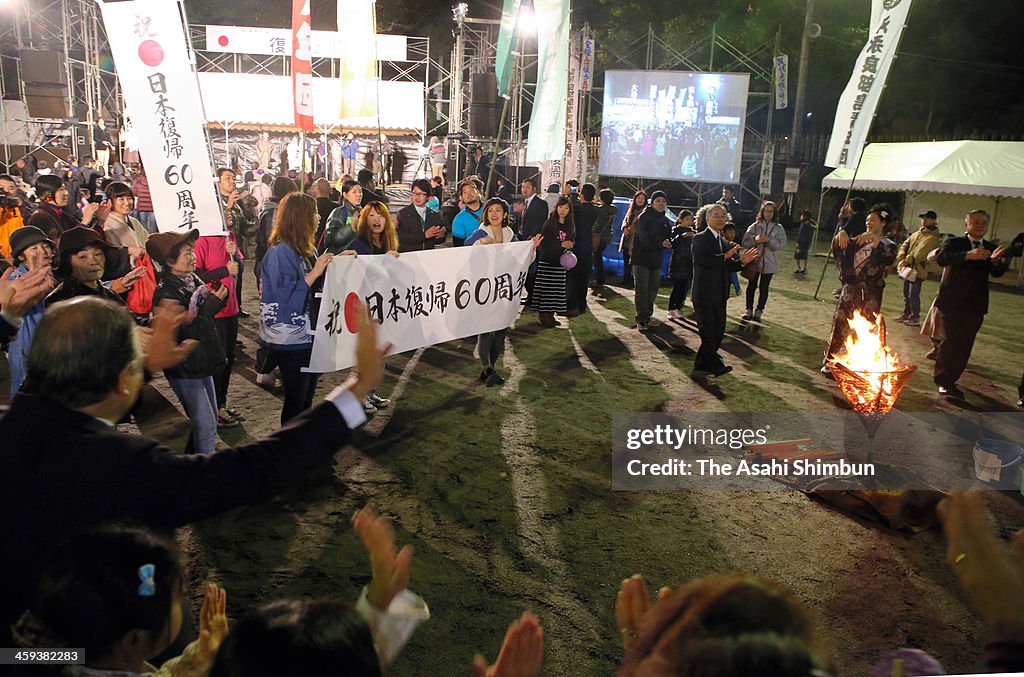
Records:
x=557, y=234
x=628, y=228
x=290, y=272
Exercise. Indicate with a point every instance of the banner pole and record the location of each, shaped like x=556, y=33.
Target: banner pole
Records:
x=860, y=157
x=202, y=107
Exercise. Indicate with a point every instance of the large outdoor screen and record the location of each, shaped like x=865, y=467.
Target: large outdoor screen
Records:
x=676, y=125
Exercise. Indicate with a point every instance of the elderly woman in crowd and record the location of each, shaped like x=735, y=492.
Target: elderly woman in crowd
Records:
x=32, y=250
x=84, y=257
x=192, y=380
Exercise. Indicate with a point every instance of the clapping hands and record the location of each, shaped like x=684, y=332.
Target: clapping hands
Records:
x=390, y=567
x=522, y=652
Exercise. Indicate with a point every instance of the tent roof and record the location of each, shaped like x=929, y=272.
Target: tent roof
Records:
x=967, y=167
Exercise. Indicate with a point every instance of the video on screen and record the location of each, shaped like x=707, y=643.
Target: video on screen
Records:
x=677, y=125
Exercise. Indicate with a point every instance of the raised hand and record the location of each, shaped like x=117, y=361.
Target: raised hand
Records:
x=162, y=349
x=213, y=621
x=19, y=296
x=630, y=606
x=390, y=568
x=992, y=578
x=522, y=652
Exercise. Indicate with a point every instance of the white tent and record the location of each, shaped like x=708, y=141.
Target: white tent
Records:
x=949, y=177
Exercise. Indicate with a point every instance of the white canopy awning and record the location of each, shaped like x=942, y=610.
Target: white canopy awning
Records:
x=993, y=168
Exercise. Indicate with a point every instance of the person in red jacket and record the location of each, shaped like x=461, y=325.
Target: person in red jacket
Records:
x=217, y=258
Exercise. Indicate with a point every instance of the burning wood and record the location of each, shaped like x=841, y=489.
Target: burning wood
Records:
x=868, y=372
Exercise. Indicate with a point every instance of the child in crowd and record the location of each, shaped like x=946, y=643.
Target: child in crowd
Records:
x=116, y=594
x=680, y=267
x=804, y=237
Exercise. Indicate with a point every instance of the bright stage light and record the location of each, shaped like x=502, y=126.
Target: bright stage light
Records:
x=460, y=11
x=526, y=24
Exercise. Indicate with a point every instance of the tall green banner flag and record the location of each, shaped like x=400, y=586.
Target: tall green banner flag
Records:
x=506, y=39
x=547, y=123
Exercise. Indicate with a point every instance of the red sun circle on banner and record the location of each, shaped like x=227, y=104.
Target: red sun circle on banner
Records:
x=352, y=312
x=222, y=41
x=151, y=53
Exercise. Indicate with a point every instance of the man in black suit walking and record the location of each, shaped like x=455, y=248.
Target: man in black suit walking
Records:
x=713, y=262
x=962, y=300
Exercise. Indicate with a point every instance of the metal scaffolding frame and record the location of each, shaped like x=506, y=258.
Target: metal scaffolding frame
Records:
x=91, y=91
x=475, y=52
x=701, y=55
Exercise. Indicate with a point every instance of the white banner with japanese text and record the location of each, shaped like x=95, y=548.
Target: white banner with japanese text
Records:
x=546, y=140
x=161, y=93
x=587, y=63
x=419, y=299
x=275, y=41
x=860, y=98
x=781, y=81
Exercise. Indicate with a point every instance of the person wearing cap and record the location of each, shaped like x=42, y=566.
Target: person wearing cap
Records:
x=913, y=254
x=468, y=219
x=650, y=240
x=32, y=250
x=83, y=257
x=192, y=380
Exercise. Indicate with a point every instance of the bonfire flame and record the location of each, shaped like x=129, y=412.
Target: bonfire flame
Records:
x=869, y=373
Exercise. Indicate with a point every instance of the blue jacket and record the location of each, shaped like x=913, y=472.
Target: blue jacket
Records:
x=466, y=221
x=284, y=306
x=17, y=352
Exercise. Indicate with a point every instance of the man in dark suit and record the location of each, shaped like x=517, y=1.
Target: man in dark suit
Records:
x=962, y=300
x=713, y=263
x=66, y=467
x=419, y=228
x=535, y=210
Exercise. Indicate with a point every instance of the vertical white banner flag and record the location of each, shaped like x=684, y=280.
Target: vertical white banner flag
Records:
x=572, y=112
x=546, y=139
x=767, y=165
x=358, y=62
x=781, y=82
x=860, y=98
x=587, y=63
x=147, y=41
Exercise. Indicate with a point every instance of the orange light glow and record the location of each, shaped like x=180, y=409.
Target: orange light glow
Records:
x=868, y=372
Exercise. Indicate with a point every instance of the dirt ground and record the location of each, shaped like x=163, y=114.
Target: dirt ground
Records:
x=505, y=493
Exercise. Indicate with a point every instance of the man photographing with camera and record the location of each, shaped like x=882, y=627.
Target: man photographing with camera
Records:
x=10, y=216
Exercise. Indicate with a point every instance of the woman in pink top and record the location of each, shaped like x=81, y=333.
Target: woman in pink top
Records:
x=217, y=258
